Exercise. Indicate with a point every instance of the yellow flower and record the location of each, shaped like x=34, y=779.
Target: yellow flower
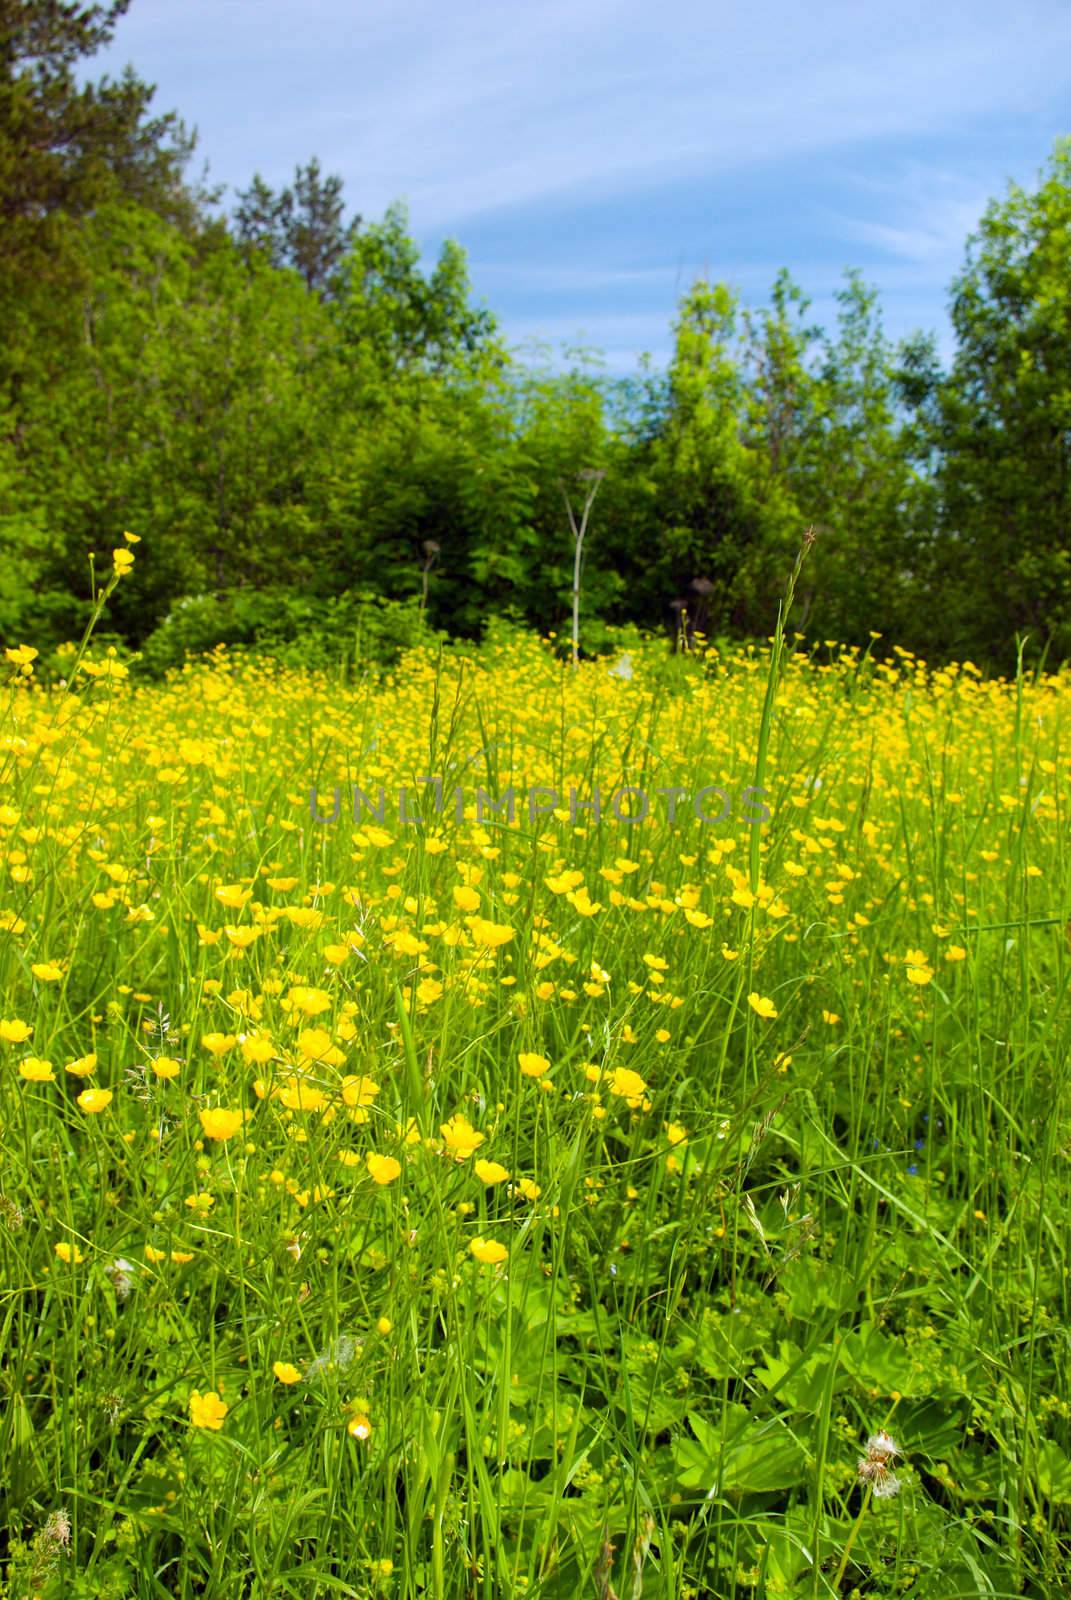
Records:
x=34, y=1070
x=461, y=1138
x=94, y=1100
x=314, y=1044
x=15, y=1031
x=217, y=1044
x=563, y=882
x=84, y=1067
x=257, y=1047
x=297, y=1094
x=123, y=560
x=529, y=1189
x=166, y=1067
x=46, y=971
x=286, y=1372
x=761, y=1006
x=359, y=1426
x=219, y=1123
x=305, y=917
x=384, y=1326
x=533, y=1066
x=311, y=1002
x=489, y=935
x=154, y=1255
x=20, y=655
x=490, y=1172
x=359, y=1092
x=919, y=975
x=466, y=899
x=382, y=1169
x=489, y=1251
x=68, y=1253
x=955, y=952
x=207, y=1410
x=627, y=1085
x=233, y=896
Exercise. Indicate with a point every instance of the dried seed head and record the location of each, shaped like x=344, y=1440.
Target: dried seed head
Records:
x=121, y=1276
x=875, y=1468
x=57, y=1530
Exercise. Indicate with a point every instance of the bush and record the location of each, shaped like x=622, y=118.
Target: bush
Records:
x=355, y=628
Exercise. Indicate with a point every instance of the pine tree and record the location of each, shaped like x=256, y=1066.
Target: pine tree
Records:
x=300, y=227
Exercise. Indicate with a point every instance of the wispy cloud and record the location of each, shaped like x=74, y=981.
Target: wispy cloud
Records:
x=881, y=130
x=480, y=106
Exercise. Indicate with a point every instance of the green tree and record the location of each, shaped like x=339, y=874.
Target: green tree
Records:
x=397, y=323
x=195, y=399
x=1003, y=424
x=301, y=227
x=722, y=519
x=65, y=147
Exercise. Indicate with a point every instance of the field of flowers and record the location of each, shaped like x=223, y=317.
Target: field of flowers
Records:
x=433, y=1204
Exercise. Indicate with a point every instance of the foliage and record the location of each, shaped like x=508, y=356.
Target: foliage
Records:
x=360, y=628
x=300, y=227
x=297, y=401
x=1003, y=423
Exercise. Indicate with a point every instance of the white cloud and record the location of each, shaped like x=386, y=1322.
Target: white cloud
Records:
x=487, y=115
x=478, y=107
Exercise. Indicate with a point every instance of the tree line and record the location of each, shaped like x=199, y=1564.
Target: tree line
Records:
x=293, y=411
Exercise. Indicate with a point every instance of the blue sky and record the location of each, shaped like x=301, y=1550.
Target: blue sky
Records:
x=594, y=156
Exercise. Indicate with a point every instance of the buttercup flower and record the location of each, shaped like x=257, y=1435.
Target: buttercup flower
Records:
x=383, y=1169
x=93, y=1100
x=489, y=1251
x=219, y=1123
x=207, y=1410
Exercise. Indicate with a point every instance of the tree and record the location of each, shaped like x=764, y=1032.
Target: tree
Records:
x=66, y=149
x=1003, y=422
x=300, y=227
x=397, y=322
x=721, y=518
x=191, y=410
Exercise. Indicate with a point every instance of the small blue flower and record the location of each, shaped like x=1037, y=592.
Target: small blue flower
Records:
x=912, y=1171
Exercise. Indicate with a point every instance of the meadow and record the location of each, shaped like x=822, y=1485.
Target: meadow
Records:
x=551, y=1207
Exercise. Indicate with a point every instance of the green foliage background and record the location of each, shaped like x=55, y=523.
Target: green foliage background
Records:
x=288, y=403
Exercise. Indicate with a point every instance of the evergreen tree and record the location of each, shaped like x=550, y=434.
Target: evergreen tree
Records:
x=300, y=227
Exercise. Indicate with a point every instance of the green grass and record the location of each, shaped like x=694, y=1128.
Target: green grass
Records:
x=719, y=1291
